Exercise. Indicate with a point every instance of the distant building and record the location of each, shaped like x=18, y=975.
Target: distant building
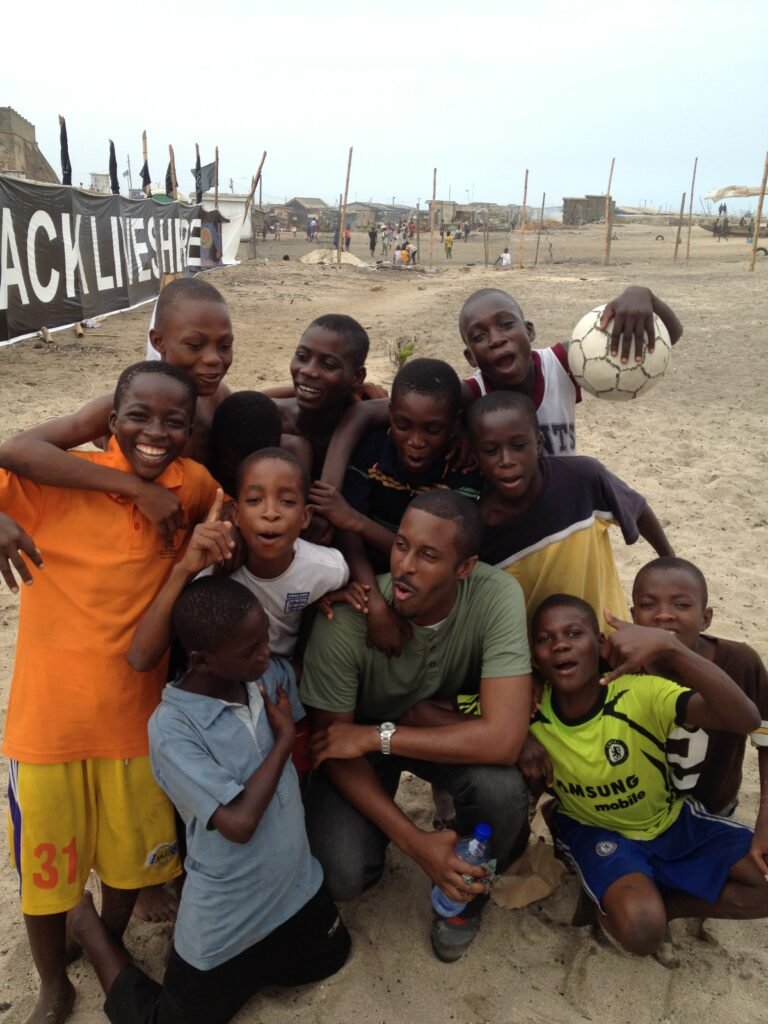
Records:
x=100, y=183
x=588, y=209
x=304, y=209
x=19, y=152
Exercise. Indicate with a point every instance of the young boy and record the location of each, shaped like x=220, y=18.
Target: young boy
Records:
x=81, y=790
x=286, y=573
x=390, y=467
x=547, y=519
x=671, y=594
x=253, y=909
x=327, y=366
x=244, y=422
x=644, y=854
x=498, y=340
x=193, y=333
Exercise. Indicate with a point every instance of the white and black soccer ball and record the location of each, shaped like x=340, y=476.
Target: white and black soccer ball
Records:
x=604, y=375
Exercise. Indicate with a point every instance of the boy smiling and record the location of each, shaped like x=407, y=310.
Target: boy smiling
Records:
x=644, y=854
x=82, y=794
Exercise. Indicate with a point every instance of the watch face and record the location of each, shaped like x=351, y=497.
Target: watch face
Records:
x=387, y=727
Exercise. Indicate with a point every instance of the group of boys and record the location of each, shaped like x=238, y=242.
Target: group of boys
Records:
x=192, y=536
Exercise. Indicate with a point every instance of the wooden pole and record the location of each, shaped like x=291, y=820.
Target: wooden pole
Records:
x=541, y=226
x=254, y=182
x=680, y=226
x=216, y=180
x=608, y=218
x=418, y=229
x=432, y=220
x=690, y=212
x=343, y=208
x=522, y=223
x=174, y=182
x=485, y=237
x=758, y=215
x=147, y=188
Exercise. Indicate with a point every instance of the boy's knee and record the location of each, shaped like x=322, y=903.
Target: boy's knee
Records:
x=638, y=927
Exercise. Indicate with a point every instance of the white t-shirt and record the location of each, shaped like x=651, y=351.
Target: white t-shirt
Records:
x=506, y=259
x=314, y=572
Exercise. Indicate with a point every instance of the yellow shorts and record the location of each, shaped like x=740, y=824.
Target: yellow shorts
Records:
x=66, y=819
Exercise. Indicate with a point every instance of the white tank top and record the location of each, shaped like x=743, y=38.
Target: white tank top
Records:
x=555, y=397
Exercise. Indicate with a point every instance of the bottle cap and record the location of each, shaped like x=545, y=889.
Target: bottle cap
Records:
x=483, y=832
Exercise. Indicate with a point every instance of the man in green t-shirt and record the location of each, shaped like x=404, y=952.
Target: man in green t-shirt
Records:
x=374, y=717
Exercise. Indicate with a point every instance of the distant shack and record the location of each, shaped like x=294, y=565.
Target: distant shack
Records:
x=585, y=209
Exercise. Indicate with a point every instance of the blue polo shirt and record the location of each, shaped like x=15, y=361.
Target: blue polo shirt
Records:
x=202, y=751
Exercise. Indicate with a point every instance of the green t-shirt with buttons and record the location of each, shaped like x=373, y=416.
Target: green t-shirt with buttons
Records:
x=484, y=637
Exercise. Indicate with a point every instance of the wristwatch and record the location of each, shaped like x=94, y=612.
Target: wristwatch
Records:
x=386, y=731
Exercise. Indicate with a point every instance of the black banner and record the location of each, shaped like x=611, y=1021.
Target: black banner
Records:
x=68, y=255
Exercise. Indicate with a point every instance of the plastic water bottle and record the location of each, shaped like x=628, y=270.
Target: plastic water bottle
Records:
x=474, y=850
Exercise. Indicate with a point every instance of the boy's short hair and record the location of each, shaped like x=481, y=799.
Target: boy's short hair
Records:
x=465, y=513
x=273, y=453
x=246, y=421
x=130, y=373
x=209, y=610
x=509, y=401
x=433, y=378
x=353, y=334
x=480, y=294
x=671, y=563
x=566, y=601
x=194, y=289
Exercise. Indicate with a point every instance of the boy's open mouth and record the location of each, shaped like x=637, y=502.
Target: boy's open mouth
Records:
x=268, y=538
x=565, y=666
x=150, y=453
x=308, y=391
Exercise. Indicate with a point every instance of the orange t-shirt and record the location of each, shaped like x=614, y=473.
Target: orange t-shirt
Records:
x=73, y=694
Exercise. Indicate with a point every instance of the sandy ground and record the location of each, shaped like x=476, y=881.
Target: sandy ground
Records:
x=696, y=447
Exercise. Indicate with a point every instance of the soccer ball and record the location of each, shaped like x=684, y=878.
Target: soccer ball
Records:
x=604, y=375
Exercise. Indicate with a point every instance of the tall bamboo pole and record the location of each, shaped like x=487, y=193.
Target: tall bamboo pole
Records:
x=690, y=212
x=680, y=225
x=216, y=180
x=522, y=223
x=541, y=226
x=174, y=182
x=432, y=219
x=485, y=236
x=758, y=215
x=343, y=208
x=254, y=182
x=418, y=230
x=608, y=218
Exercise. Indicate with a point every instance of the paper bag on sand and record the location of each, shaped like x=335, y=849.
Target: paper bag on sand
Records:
x=532, y=877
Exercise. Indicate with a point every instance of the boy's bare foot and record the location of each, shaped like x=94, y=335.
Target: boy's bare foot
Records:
x=156, y=904
x=54, y=1003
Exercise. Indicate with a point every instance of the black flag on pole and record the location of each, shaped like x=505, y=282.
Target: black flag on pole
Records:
x=146, y=180
x=66, y=166
x=204, y=178
x=113, y=182
x=196, y=176
x=169, y=181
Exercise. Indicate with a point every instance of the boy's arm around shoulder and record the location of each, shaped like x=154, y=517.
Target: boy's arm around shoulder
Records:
x=359, y=418
x=717, y=703
x=42, y=454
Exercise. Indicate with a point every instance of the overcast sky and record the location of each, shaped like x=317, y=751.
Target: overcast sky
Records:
x=481, y=90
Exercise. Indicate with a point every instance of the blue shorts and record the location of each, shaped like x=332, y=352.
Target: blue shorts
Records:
x=694, y=855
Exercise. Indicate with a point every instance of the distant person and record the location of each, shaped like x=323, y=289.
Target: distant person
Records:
x=448, y=245
x=750, y=229
x=717, y=229
x=347, y=238
x=264, y=229
x=336, y=238
x=504, y=259
x=373, y=237
x=725, y=231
